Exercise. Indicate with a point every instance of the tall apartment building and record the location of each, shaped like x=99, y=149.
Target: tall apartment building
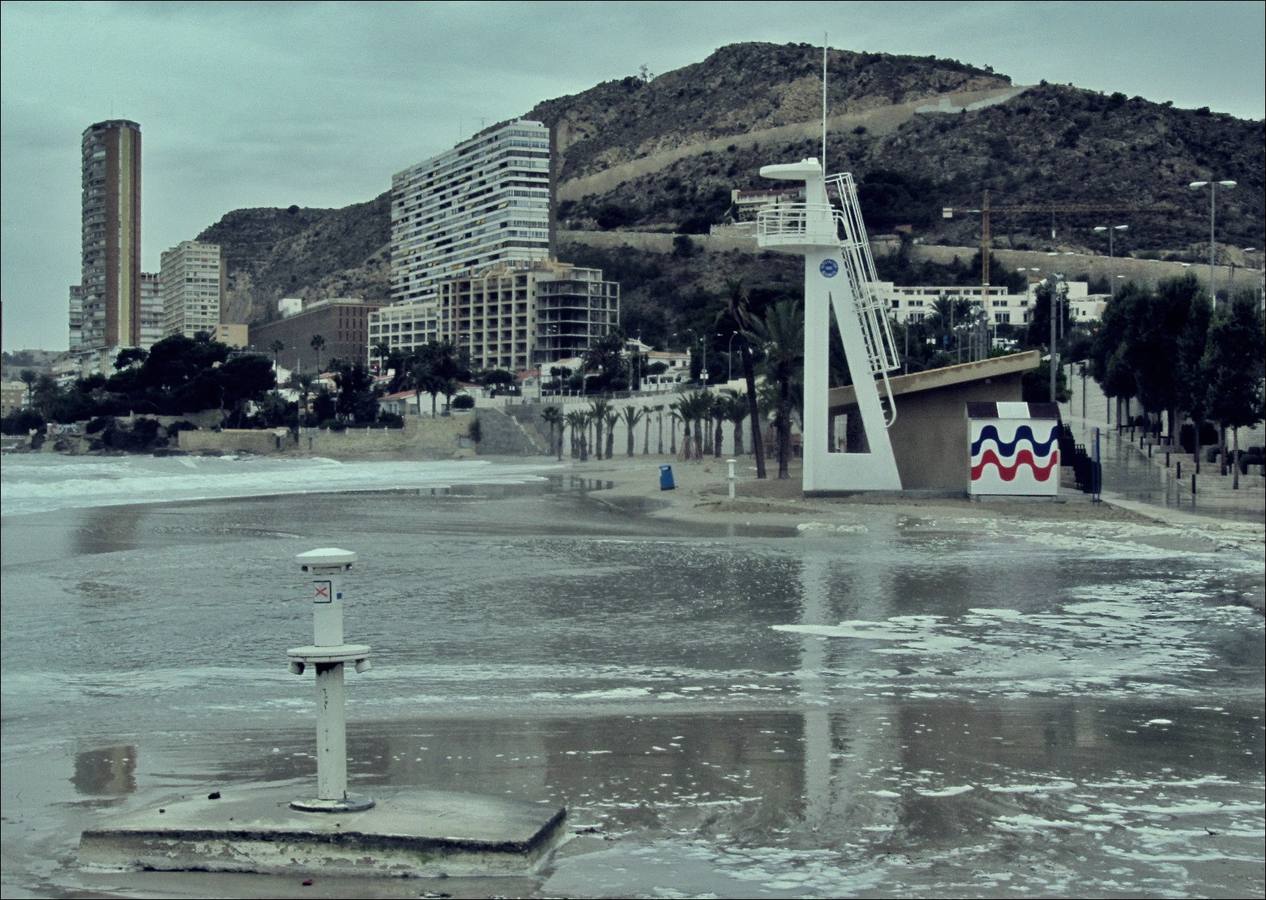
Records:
x=511, y=316
x=192, y=278
x=111, y=233
x=76, y=318
x=485, y=201
x=151, y=310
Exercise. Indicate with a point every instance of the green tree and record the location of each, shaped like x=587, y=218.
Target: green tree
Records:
x=605, y=358
x=1234, y=360
x=1192, y=393
x=357, y=398
x=29, y=378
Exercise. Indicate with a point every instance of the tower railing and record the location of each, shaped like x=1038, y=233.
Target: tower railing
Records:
x=795, y=224
x=859, y=265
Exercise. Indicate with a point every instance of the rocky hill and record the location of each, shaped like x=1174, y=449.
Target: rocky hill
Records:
x=663, y=153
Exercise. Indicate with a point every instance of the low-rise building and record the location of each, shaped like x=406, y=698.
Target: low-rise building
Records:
x=341, y=322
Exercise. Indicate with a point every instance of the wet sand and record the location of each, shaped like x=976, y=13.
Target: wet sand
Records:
x=774, y=697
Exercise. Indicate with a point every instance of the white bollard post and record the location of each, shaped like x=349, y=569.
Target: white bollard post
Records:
x=328, y=654
x=731, y=476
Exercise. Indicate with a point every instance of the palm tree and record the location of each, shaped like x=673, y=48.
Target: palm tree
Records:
x=659, y=414
x=736, y=412
x=598, y=415
x=576, y=421
x=741, y=312
x=646, y=439
x=302, y=381
x=317, y=343
x=553, y=416
x=276, y=347
x=781, y=334
x=381, y=350
x=700, y=404
x=720, y=404
x=611, y=419
x=674, y=416
x=632, y=415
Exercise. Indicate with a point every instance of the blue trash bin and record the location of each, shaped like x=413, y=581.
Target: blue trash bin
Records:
x=666, y=478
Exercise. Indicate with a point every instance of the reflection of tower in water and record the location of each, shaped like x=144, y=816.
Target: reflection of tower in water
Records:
x=842, y=746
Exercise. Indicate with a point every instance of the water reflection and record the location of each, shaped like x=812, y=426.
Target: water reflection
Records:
x=105, y=770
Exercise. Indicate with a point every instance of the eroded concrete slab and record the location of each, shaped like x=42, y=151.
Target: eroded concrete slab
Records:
x=418, y=833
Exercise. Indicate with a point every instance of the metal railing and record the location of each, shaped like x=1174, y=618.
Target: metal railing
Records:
x=795, y=223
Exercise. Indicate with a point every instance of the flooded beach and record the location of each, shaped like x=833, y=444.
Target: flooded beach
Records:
x=891, y=701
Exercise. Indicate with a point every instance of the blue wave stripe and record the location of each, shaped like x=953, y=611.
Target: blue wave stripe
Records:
x=1023, y=433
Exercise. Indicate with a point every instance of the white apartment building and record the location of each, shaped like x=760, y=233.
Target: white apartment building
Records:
x=485, y=201
x=914, y=304
x=192, y=286
x=152, y=313
x=404, y=326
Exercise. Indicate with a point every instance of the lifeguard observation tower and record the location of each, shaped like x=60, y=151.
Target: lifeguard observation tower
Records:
x=839, y=277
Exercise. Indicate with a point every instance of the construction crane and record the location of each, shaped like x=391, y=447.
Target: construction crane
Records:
x=1052, y=208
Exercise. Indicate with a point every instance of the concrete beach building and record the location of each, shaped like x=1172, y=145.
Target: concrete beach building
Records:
x=485, y=201
x=192, y=278
x=111, y=233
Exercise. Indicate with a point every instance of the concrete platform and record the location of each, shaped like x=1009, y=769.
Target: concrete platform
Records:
x=416, y=833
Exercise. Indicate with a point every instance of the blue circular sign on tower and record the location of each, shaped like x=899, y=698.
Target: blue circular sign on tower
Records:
x=829, y=268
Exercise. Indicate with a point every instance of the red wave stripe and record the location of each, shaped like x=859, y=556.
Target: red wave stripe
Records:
x=1008, y=473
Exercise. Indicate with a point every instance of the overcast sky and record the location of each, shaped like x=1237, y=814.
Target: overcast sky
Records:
x=317, y=104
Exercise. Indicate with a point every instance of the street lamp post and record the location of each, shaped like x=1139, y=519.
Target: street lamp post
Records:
x=1213, y=195
x=1110, y=229
x=1058, y=288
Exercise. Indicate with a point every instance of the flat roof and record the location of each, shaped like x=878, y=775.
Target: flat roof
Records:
x=931, y=379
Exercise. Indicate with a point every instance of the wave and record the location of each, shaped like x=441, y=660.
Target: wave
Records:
x=1008, y=472
x=1023, y=433
x=37, y=484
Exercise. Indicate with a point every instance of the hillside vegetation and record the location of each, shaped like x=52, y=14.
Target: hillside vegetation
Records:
x=696, y=133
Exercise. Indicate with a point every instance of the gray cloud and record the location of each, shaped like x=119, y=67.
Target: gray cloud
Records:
x=261, y=104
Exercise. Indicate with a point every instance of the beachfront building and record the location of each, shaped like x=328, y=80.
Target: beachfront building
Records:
x=404, y=327
x=151, y=309
x=111, y=237
x=511, y=316
x=192, y=280
x=341, y=322
x=485, y=201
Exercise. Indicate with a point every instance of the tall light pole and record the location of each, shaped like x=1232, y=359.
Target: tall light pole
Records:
x=1213, y=196
x=1110, y=229
x=1058, y=289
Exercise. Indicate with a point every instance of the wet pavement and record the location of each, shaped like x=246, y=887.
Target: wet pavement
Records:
x=902, y=705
